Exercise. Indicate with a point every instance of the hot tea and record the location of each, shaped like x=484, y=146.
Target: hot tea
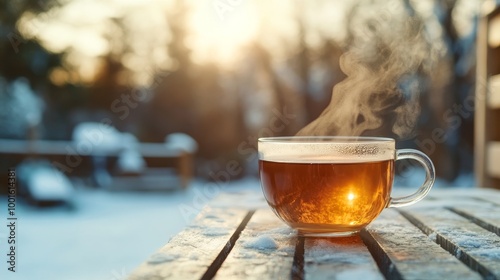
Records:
x=333, y=186
x=316, y=197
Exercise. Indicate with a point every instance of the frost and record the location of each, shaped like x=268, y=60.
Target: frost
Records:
x=490, y=253
x=214, y=231
x=325, y=251
x=161, y=258
x=365, y=274
x=211, y=216
x=281, y=231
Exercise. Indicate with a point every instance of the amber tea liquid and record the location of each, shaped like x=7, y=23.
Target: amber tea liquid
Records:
x=325, y=197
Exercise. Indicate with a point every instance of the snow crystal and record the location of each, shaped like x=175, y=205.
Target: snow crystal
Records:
x=264, y=242
x=433, y=237
x=490, y=253
x=458, y=253
x=471, y=241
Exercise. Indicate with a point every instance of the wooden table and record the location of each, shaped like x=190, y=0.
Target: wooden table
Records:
x=451, y=234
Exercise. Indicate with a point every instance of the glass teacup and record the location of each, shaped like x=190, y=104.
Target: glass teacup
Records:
x=333, y=186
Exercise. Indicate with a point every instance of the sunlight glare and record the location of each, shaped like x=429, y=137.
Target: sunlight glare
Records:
x=139, y=33
x=351, y=196
x=220, y=37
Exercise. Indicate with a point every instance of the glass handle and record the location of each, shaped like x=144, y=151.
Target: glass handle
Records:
x=430, y=176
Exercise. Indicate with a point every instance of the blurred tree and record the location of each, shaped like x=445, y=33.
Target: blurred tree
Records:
x=27, y=58
x=461, y=51
x=170, y=108
x=21, y=57
x=220, y=107
x=448, y=87
x=194, y=99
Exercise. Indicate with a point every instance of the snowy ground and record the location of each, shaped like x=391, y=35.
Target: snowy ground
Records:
x=107, y=234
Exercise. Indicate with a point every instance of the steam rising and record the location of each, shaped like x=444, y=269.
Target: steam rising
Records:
x=387, y=53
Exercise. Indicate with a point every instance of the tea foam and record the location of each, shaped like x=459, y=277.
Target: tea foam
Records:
x=337, y=151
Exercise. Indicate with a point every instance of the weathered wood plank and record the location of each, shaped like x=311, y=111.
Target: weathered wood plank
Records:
x=486, y=216
x=489, y=195
x=190, y=253
x=466, y=195
x=264, y=250
x=473, y=245
x=403, y=251
x=447, y=198
x=339, y=258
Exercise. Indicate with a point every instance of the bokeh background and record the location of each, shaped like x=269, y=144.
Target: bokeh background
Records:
x=213, y=70
x=219, y=72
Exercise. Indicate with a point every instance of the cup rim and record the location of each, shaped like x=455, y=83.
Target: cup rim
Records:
x=325, y=139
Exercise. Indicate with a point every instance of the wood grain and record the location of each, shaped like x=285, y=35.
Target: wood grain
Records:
x=339, y=258
x=264, y=250
x=190, y=253
x=485, y=216
x=475, y=246
x=452, y=235
x=403, y=251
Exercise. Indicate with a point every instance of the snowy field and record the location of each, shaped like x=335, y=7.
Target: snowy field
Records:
x=106, y=235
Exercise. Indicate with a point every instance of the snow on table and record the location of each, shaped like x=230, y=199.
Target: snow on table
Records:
x=450, y=235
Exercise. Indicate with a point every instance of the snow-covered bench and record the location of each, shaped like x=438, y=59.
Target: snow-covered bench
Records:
x=70, y=158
